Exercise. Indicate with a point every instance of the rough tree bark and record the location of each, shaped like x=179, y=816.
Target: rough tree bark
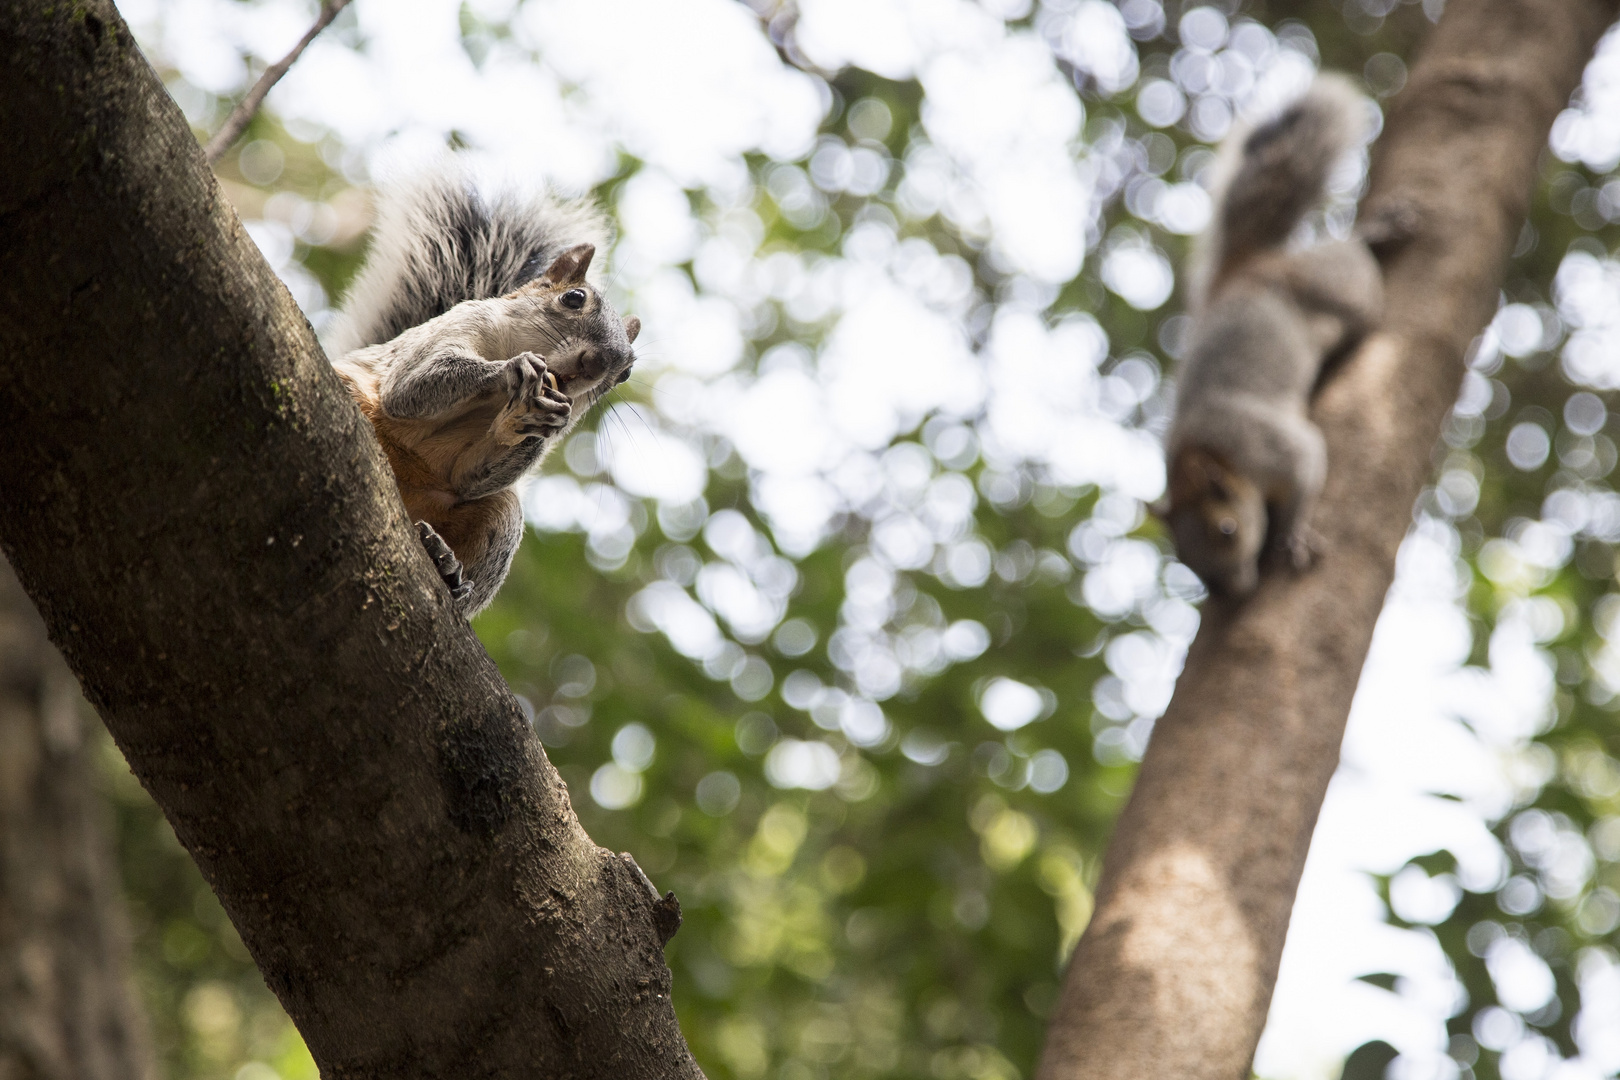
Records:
x=67, y=1007
x=1174, y=975
x=213, y=539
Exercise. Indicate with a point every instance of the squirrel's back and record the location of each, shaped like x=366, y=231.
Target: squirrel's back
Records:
x=1270, y=176
x=441, y=238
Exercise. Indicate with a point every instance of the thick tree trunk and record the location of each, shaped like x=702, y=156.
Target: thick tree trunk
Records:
x=67, y=1008
x=212, y=536
x=1174, y=975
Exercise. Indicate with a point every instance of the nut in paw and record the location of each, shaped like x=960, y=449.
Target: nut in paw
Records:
x=536, y=407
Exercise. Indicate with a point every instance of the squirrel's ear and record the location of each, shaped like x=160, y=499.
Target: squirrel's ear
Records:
x=569, y=267
x=632, y=327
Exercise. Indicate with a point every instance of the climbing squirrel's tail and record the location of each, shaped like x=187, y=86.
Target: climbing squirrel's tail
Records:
x=1268, y=177
x=439, y=239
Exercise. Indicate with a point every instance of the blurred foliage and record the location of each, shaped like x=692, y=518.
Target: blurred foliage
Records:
x=211, y=1014
x=891, y=889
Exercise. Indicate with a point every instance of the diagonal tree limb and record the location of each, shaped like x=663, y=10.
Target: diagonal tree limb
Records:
x=1174, y=975
x=248, y=107
x=213, y=539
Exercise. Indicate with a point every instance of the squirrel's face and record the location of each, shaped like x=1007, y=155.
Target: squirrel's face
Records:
x=583, y=340
x=1218, y=519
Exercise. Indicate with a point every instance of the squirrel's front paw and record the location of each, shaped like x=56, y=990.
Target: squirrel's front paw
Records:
x=1302, y=546
x=536, y=407
x=445, y=561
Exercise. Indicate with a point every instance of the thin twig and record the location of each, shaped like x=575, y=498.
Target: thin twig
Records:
x=245, y=109
x=777, y=18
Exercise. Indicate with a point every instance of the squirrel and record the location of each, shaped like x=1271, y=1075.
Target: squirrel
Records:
x=1245, y=462
x=473, y=340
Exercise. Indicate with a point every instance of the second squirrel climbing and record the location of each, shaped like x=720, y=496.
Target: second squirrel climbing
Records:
x=1245, y=462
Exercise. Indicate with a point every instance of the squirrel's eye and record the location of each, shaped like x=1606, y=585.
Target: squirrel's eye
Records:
x=574, y=299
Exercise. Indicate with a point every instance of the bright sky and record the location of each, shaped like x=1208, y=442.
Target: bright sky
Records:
x=688, y=88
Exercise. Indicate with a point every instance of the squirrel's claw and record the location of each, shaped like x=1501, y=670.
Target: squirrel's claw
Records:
x=444, y=561
x=1302, y=547
x=538, y=407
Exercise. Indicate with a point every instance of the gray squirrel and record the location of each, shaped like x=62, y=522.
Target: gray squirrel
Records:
x=473, y=340
x=1245, y=462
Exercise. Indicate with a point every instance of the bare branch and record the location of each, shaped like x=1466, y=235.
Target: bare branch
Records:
x=1174, y=975
x=777, y=18
x=248, y=107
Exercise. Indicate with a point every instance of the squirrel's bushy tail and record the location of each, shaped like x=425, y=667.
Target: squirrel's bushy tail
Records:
x=1268, y=177
x=439, y=239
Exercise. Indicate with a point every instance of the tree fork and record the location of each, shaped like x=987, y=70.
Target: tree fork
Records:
x=213, y=538
x=1174, y=975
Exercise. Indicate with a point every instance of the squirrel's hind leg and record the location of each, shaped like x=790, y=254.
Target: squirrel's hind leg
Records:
x=483, y=536
x=1340, y=291
x=445, y=561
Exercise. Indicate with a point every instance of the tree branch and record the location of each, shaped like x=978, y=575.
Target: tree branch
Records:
x=213, y=538
x=1174, y=975
x=777, y=20
x=248, y=107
